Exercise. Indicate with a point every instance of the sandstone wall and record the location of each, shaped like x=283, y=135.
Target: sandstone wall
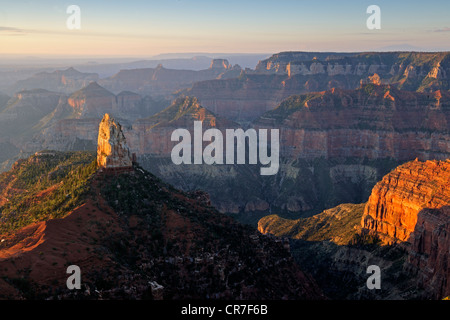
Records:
x=393, y=208
x=429, y=255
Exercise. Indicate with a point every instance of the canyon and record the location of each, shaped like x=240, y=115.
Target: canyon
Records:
x=339, y=140
x=376, y=122
x=363, y=173
x=407, y=212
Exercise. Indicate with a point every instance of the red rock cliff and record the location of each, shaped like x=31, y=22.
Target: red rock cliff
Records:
x=412, y=205
x=394, y=205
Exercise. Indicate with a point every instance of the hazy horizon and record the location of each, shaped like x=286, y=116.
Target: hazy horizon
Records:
x=144, y=29
x=170, y=55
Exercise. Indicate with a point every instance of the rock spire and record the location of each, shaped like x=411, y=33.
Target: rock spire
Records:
x=112, y=149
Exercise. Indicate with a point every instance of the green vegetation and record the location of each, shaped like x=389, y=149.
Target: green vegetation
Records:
x=339, y=225
x=366, y=241
x=44, y=186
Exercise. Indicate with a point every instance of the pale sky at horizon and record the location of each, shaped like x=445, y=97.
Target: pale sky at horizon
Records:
x=143, y=28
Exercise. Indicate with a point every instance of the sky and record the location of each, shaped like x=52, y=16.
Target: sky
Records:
x=142, y=28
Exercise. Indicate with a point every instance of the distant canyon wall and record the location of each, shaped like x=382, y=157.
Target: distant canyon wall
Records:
x=288, y=73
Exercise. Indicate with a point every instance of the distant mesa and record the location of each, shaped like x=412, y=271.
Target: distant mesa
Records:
x=219, y=64
x=112, y=149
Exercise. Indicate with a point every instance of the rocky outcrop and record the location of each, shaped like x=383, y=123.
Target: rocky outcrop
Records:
x=393, y=208
x=112, y=149
x=145, y=135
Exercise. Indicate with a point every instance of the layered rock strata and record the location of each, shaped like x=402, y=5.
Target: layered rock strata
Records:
x=374, y=122
x=397, y=201
x=411, y=205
